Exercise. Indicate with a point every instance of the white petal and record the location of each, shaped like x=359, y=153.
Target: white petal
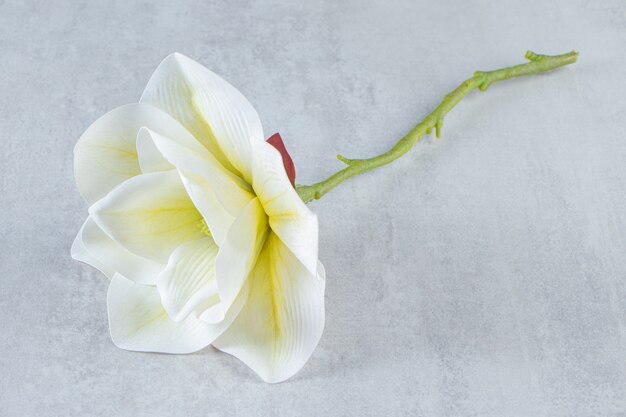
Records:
x=217, y=193
x=189, y=279
x=216, y=217
x=213, y=313
x=289, y=217
x=138, y=321
x=239, y=252
x=283, y=318
x=150, y=158
x=80, y=253
x=212, y=109
x=106, y=155
x=150, y=215
x=116, y=258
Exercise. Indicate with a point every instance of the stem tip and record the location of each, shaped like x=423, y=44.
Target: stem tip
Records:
x=344, y=160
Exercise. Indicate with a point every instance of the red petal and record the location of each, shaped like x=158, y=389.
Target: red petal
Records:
x=276, y=141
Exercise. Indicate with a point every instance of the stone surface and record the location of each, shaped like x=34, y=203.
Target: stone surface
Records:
x=480, y=275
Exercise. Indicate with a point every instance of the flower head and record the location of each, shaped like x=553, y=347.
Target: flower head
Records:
x=195, y=221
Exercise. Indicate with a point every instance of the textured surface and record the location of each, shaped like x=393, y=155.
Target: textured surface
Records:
x=481, y=275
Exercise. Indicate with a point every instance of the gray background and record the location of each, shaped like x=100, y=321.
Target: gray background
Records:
x=480, y=275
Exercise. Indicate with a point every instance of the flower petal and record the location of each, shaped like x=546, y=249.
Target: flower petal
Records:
x=189, y=279
x=283, y=318
x=217, y=193
x=289, y=217
x=110, y=257
x=150, y=215
x=106, y=155
x=138, y=321
x=213, y=313
x=80, y=253
x=149, y=156
x=206, y=104
x=239, y=252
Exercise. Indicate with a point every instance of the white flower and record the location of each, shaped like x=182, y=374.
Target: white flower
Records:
x=194, y=220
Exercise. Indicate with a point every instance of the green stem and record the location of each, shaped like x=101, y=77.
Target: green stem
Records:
x=481, y=80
